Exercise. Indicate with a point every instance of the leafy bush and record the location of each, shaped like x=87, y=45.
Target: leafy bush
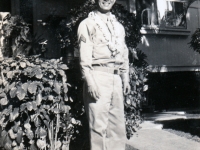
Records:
x=195, y=41
x=17, y=29
x=35, y=108
x=67, y=36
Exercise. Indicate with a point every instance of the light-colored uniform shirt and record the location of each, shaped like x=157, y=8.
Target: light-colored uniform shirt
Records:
x=94, y=35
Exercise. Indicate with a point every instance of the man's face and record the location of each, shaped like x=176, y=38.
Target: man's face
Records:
x=105, y=5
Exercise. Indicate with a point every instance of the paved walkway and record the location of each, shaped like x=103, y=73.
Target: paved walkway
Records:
x=152, y=137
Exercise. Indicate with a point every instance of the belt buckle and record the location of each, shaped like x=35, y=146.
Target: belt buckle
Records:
x=116, y=71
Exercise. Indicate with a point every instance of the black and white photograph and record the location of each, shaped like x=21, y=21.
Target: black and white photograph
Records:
x=99, y=74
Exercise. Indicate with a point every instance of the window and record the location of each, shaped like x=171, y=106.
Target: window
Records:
x=148, y=11
x=172, y=13
x=163, y=13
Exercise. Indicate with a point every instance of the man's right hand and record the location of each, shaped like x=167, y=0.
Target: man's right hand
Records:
x=94, y=92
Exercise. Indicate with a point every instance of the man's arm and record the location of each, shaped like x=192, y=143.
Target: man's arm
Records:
x=86, y=47
x=125, y=68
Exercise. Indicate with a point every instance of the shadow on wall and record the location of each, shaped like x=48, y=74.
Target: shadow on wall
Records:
x=174, y=90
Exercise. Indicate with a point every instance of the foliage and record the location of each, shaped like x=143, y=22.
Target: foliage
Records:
x=19, y=30
x=35, y=108
x=195, y=41
x=67, y=36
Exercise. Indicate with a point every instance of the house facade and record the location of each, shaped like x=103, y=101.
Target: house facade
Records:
x=167, y=26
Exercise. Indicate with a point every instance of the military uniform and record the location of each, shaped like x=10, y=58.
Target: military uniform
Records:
x=104, y=62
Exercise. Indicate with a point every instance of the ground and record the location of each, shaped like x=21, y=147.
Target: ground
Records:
x=152, y=136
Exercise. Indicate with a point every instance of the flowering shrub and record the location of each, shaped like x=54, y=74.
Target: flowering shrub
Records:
x=35, y=108
x=195, y=41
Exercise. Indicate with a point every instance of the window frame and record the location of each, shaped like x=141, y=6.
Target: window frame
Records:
x=163, y=29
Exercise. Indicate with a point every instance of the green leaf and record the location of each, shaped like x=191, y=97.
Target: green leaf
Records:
x=11, y=85
x=4, y=101
x=13, y=92
x=65, y=146
x=19, y=136
x=46, y=107
x=38, y=73
x=57, y=87
x=63, y=66
x=13, y=64
x=10, y=74
x=20, y=93
x=22, y=107
x=33, y=147
x=3, y=137
x=58, y=144
x=41, y=144
x=46, y=117
x=66, y=97
x=70, y=99
x=37, y=121
x=2, y=120
x=38, y=99
x=14, y=114
x=145, y=88
x=44, y=65
x=22, y=64
x=65, y=109
x=27, y=126
x=64, y=79
x=65, y=88
x=43, y=133
x=11, y=134
x=46, y=123
x=7, y=111
x=8, y=144
x=1, y=81
x=16, y=128
x=14, y=144
x=56, y=110
x=128, y=101
x=52, y=71
x=25, y=87
x=29, y=134
x=2, y=95
x=62, y=73
x=34, y=105
x=29, y=106
x=32, y=88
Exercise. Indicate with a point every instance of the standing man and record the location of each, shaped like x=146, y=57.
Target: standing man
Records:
x=105, y=68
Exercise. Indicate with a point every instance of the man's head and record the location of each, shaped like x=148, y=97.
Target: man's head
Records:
x=105, y=6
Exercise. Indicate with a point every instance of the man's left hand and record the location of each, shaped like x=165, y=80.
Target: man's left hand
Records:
x=127, y=88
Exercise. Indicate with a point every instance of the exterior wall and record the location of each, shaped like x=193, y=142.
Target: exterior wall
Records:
x=169, y=47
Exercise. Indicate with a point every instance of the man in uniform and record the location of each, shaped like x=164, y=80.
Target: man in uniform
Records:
x=105, y=68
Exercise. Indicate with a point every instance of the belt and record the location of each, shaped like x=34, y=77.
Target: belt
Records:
x=107, y=69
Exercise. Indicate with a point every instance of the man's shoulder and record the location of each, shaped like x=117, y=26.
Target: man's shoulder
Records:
x=119, y=25
x=87, y=21
x=116, y=21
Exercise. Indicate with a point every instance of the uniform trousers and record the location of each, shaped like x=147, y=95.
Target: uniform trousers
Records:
x=106, y=115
